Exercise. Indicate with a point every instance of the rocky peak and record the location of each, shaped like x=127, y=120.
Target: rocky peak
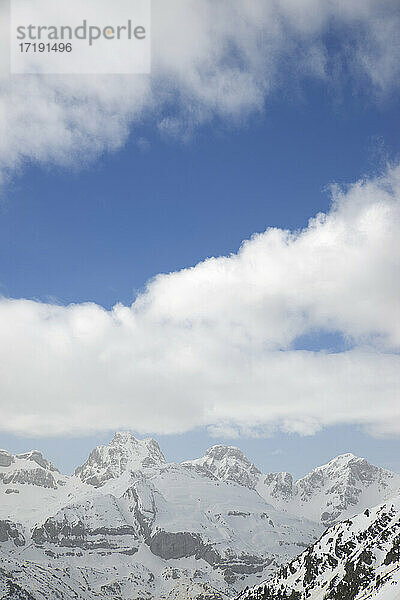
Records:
x=6, y=458
x=346, y=482
x=343, y=462
x=344, y=470
x=37, y=457
x=228, y=463
x=124, y=453
x=27, y=468
x=219, y=452
x=359, y=469
x=131, y=446
x=123, y=438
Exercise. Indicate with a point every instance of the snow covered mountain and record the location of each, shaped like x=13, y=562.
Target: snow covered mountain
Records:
x=357, y=559
x=31, y=488
x=124, y=453
x=228, y=463
x=128, y=524
x=329, y=494
x=332, y=492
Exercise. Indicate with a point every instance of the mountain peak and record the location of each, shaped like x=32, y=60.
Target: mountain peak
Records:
x=27, y=468
x=124, y=453
x=123, y=437
x=6, y=458
x=347, y=481
x=24, y=459
x=37, y=457
x=229, y=464
x=345, y=456
x=220, y=451
x=126, y=438
x=349, y=466
x=341, y=459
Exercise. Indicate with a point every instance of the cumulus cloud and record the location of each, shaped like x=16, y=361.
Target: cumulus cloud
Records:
x=209, y=59
x=214, y=345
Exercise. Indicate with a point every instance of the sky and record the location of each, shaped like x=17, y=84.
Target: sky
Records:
x=159, y=270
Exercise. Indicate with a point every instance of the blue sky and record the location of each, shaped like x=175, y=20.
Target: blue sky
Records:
x=97, y=230
x=98, y=234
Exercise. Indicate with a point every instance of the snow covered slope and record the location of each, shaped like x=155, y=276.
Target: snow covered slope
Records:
x=357, y=559
x=23, y=580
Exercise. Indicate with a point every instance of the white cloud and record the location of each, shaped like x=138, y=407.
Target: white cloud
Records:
x=209, y=59
x=213, y=345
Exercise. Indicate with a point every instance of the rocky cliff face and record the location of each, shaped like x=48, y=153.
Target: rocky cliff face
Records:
x=279, y=486
x=354, y=560
x=10, y=532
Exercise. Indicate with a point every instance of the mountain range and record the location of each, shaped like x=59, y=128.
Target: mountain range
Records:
x=129, y=525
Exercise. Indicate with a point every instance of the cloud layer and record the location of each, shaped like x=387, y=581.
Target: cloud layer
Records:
x=210, y=59
x=213, y=345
